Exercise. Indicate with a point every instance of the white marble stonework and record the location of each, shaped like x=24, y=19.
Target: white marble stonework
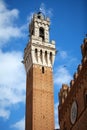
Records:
x=39, y=50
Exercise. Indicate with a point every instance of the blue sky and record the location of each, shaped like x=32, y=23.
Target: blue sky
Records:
x=68, y=28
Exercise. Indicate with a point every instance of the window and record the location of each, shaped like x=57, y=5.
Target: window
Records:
x=41, y=55
x=46, y=56
x=41, y=33
x=39, y=16
x=43, y=70
x=36, y=55
x=51, y=57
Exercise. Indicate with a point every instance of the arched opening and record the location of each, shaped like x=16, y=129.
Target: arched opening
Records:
x=39, y=17
x=36, y=55
x=46, y=56
x=51, y=57
x=41, y=33
x=41, y=55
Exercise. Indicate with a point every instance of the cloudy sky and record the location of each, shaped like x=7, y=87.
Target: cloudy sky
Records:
x=68, y=29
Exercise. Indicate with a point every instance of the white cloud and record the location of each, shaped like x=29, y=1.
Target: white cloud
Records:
x=30, y=17
x=8, y=28
x=61, y=76
x=19, y=125
x=42, y=8
x=12, y=81
x=4, y=113
x=46, y=12
x=63, y=54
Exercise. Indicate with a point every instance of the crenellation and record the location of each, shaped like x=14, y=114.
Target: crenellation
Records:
x=84, y=59
x=79, y=68
x=75, y=75
x=72, y=83
x=84, y=50
x=63, y=93
x=43, y=22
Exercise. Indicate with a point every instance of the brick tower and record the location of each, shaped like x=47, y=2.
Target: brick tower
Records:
x=39, y=56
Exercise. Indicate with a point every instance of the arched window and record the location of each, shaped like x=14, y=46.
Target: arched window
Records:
x=39, y=17
x=46, y=56
x=41, y=33
x=36, y=55
x=51, y=57
x=43, y=70
x=41, y=55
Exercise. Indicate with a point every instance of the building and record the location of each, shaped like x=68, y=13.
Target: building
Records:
x=73, y=100
x=39, y=56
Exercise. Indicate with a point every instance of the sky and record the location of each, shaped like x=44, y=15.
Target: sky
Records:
x=68, y=28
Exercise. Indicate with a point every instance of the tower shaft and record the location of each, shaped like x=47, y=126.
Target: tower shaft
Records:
x=39, y=57
x=39, y=100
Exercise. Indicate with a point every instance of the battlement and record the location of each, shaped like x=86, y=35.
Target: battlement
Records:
x=63, y=93
x=84, y=50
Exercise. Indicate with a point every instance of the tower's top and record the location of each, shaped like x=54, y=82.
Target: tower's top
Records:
x=39, y=27
x=40, y=50
x=40, y=15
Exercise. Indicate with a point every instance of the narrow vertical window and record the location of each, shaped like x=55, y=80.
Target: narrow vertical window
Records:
x=43, y=70
x=41, y=33
x=51, y=57
x=41, y=55
x=46, y=56
x=36, y=55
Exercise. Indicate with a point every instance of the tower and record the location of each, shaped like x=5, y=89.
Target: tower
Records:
x=39, y=56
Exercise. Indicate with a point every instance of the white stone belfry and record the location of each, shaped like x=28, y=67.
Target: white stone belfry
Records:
x=39, y=50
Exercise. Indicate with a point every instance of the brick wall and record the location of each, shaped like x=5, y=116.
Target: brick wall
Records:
x=40, y=99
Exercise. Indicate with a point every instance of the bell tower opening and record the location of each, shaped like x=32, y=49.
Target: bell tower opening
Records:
x=41, y=33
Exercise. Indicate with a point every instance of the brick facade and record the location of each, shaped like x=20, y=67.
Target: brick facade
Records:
x=77, y=92
x=39, y=101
